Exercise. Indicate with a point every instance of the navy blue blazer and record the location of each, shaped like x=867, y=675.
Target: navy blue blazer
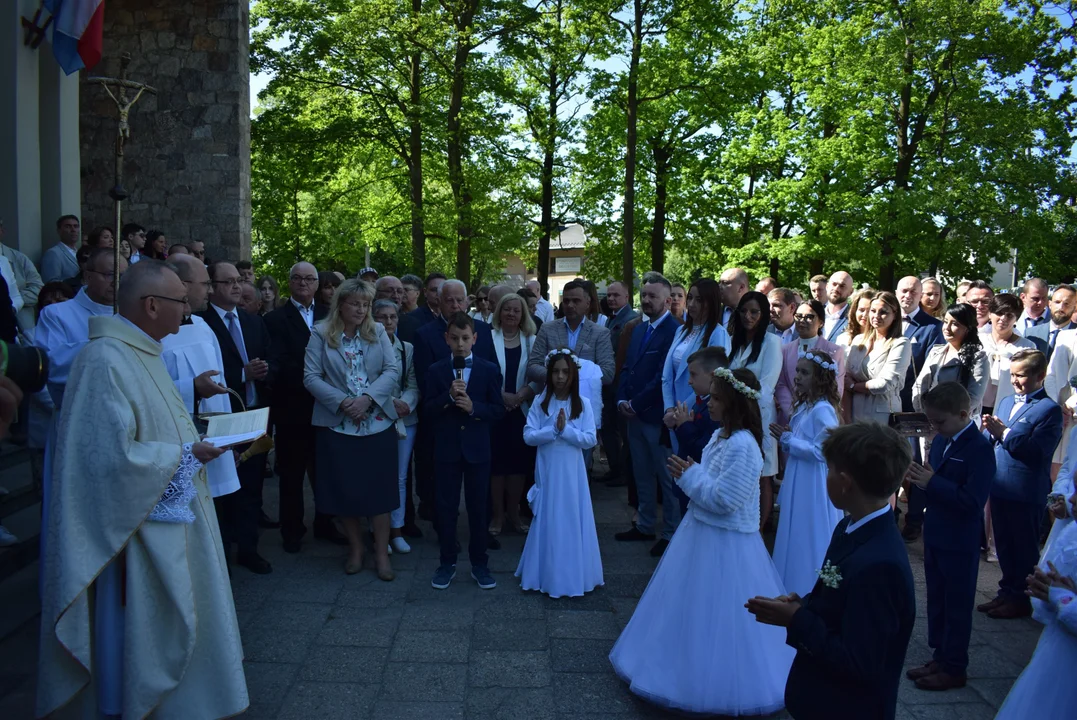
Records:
x=457, y=435
x=924, y=332
x=840, y=325
x=641, y=375
x=957, y=493
x=1023, y=458
x=430, y=346
x=851, y=640
x=694, y=435
x=423, y=315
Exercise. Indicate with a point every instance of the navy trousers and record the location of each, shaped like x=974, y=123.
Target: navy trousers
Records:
x=1017, y=542
x=951, y=597
x=916, y=496
x=476, y=478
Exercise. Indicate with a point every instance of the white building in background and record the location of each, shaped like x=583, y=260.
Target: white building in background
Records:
x=39, y=137
x=566, y=262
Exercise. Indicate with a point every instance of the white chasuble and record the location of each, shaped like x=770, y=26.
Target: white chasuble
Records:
x=120, y=440
x=186, y=355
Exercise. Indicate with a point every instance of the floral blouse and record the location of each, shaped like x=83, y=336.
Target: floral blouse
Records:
x=376, y=419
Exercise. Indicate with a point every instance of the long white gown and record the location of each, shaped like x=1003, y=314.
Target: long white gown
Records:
x=561, y=556
x=1046, y=689
x=691, y=645
x=808, y=518
x=767, y=368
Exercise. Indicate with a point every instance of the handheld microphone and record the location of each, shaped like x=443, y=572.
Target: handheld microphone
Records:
x=458, y=364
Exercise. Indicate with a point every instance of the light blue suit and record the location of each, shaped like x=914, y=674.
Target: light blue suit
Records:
x=675, y=387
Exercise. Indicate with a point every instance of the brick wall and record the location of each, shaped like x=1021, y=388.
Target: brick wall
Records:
x=187, y=162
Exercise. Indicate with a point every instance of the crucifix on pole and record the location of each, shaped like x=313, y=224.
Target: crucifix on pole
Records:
x=123, y=104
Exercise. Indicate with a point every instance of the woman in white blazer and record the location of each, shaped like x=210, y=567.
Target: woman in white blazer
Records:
x=877, y=362
x=403, y=410
x=755, y=349
x=511, y=458
x=960, y=359
x=704, y=324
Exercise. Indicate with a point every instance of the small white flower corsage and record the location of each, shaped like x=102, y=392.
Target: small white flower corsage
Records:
x=830, y=575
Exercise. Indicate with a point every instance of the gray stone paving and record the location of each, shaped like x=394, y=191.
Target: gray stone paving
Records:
x=320, y=644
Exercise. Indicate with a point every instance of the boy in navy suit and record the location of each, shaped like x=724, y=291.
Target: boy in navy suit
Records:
x=462, y=398
x=956, y=481
x=1025, y=429
x=694, y=426
x=851, y=632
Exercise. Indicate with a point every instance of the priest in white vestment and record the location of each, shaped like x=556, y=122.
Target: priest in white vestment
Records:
x=133, y=541
x=193, y=358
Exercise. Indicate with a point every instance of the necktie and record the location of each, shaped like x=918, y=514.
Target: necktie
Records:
x=1054, y=337
x=647, y=334
x=237, y=338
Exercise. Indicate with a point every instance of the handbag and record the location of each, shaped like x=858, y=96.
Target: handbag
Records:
x=911, y=424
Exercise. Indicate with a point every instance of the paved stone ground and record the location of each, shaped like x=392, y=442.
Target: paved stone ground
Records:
x=320, y=644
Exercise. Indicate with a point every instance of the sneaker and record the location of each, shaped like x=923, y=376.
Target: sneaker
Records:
x=635, y=534
x=992, y=556
x=482, y=576
x=400, y=545
x=443, y=576
x=6, y=538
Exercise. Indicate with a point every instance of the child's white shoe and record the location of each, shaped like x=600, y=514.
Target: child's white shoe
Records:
x=400, y=545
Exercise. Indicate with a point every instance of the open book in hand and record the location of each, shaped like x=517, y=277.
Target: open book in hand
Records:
x=237, y=428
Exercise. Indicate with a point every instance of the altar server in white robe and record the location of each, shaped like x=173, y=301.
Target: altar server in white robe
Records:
x=131, y=525
x=193, y=359
x=62, y=331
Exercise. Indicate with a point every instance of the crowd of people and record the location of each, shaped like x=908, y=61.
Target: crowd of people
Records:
x=714, y=404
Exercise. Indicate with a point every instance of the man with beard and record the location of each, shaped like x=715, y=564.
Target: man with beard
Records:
x=838, y=290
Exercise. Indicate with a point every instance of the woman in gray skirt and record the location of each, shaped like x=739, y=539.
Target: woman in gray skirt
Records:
x=352, y=371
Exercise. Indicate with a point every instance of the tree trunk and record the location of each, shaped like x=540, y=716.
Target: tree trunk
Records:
x=629, y=211
x=415, y=152
x=457, y=142
x=549, y=143
x=661, y=154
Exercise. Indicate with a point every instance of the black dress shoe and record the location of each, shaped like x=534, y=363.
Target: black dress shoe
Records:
x=659, y=548
x=425, y=512
x=292, y=546
x=411, y=531
x=331, y=534
x=255, y=563
x=265, y=522
x=634, y=534
x=492, y=543
x=911, y=533
x=616, y=482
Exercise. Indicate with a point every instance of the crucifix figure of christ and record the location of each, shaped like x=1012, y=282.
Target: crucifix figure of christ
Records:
x=123, y=104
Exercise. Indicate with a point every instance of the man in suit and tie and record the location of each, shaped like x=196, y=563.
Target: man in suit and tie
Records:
x=924, y=332
x=461, y=403
x=1034, y=296
x=58, y=262
x=732, y=284
x=1057, y=339
x=614, y=429
x=639, y=400
x=1045, y=335
x=292, y=406
x=244, y=343
x=431, y=310
x=576, y=332
x=957, y=480
x=388, y=287
x=839, y=288
x=1025, y=429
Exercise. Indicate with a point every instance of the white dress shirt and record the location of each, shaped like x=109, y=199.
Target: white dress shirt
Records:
x=307, y=313
x=853, y=527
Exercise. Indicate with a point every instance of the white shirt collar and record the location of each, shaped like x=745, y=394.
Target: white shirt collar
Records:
x=961, y=432
x=912, y=315
x=853, y=527
x=72, y=251
x=838, y=312
x=657, y=322
x=303, y=309
x=807, y=344
x=569, y=327
x=222, y=312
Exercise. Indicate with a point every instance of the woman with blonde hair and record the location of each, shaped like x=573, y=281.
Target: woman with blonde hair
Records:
x=933, y=301
x=859, y=304
x=511, y=458
x=878, y=360
x=352, y=371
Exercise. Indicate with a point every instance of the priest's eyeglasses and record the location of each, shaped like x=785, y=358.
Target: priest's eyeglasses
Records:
x=181, y=301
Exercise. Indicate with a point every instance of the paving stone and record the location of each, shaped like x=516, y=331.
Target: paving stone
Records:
x=598, y=600
x=361, y=627
x=424, y=682
x=518, y=606
x=987, y=662
x=329, y=701
x=267, y=686
x=626, y=585
x=282, y=632
x=511, y=704
x=580, y=656
x=389, y=710
x=344, y=664
x=993, y=690
x=587, y=693
x=593, y=625
x=431, y=646
x=500, y=634
x=509, y=668
x=961, y=711
x=911, y=696
x=448, y=614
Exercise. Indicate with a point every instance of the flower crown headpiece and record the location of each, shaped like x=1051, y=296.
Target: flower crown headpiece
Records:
x=818, y=360
x=727, y=375
x=562, y=351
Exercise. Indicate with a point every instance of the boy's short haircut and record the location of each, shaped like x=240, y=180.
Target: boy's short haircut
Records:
x=818, y=278
x=1035, y=360
x=461, y=321
x=875, y=456
x=710, y=358
x=948, y=397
